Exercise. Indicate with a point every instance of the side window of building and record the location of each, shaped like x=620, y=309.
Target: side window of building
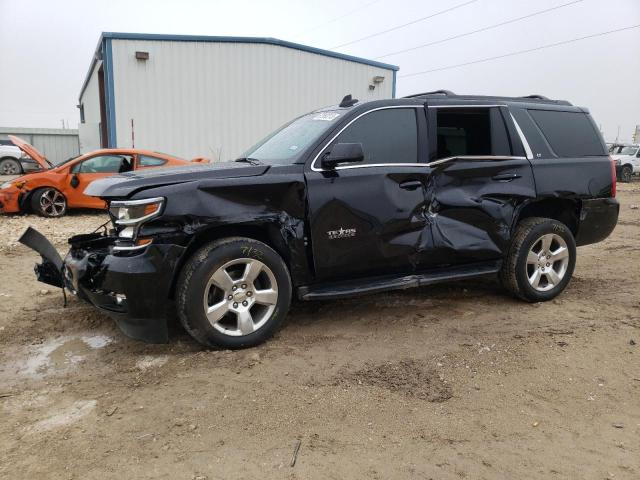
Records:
x=470, y=132
x=387, y=136
x=105, y=164
x=570, y=134
x=147, y=161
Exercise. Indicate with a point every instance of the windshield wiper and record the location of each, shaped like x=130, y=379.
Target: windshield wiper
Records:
x=252, y=161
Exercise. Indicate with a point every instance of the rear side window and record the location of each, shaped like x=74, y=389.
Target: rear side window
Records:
x=387, y=136
x=570, y=134
x=105, y=164
x=471, y=132
x=147, y=161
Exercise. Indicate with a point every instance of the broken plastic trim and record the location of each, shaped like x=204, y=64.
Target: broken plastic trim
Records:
x=50, y=270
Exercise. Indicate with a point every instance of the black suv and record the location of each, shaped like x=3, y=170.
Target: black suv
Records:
x=352, y=199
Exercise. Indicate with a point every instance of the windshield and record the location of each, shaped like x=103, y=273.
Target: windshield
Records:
x=286, y=144
x=64, y=161
x=628, y=150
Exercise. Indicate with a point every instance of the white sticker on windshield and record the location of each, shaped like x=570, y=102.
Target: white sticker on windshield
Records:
x=326, y=116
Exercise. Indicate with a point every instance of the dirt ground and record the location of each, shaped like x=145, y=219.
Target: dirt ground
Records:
x=446, y=382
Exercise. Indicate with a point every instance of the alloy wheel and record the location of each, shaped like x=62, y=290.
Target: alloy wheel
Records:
x=547, y=262
x=240, y=297
x=52, y=202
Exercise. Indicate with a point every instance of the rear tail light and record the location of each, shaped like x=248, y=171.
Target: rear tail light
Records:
x=614, y=177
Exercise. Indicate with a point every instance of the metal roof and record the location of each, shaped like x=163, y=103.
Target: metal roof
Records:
x=225, y=39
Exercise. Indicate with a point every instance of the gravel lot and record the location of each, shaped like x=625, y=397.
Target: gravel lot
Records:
x=447, y=382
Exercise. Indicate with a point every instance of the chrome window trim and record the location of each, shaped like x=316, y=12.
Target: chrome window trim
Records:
x=475, y=157
x=313, y=163
x=529, y=154
x=431, y=164
x=523, y=139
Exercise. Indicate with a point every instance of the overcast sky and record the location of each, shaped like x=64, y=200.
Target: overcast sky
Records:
x=46, y=46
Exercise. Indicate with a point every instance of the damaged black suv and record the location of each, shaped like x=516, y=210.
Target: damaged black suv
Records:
x=352, y=199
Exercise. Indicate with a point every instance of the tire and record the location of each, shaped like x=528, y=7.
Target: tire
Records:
x=49, y=202
x=534, y=239
x=626, y=174
x=10, y=166
x=202, y=285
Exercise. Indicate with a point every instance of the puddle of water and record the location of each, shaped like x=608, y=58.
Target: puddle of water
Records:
x=64, y=417
x=59, y=353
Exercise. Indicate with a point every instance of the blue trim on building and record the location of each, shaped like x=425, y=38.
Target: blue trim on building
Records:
x=263, y=40
x=393, y=86
x=107, y=65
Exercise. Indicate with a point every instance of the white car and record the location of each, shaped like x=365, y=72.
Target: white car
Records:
x=627, y=162
x=14, y=161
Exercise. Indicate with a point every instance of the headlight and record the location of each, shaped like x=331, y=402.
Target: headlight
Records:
x=6, y=185
x=129, y=215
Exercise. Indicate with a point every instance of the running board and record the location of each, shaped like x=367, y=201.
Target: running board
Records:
x=364, y=286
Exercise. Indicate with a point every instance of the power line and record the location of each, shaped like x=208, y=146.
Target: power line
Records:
x=340, y=17
x=406, y=24
x=519, y=52
x=490, y=27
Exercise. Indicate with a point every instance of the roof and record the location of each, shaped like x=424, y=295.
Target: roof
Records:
x=38, y=131
x=226, y=39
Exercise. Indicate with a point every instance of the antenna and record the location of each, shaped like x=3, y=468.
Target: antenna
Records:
x=348, y=101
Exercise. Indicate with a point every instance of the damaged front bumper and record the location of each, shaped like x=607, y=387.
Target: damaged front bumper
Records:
x=133, y=288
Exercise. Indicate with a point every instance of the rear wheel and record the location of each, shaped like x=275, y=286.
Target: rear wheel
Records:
x=233, y=293
x=10, y=166
x=49, y=202
x=540, y=261
x=626, y=173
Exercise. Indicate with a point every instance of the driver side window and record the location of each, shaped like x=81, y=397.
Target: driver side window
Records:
x=387, y=136
x=105, y=164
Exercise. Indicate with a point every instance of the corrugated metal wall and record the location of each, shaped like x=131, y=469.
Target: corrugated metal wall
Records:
x=217, y=99
x=56, y=144
x=90, y=128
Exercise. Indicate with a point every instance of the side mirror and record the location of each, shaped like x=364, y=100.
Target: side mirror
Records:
x=342, y=153
x=74, y=181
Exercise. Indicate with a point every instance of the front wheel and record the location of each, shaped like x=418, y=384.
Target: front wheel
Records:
x=540, y=260
x=233, y=293
x=49, y=202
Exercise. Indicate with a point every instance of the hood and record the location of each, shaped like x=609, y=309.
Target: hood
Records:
x=620, y=157
x=22, y=179
x=31, y=151
x=126, y=184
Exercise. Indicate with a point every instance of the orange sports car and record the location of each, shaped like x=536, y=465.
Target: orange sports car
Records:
x=50, y=192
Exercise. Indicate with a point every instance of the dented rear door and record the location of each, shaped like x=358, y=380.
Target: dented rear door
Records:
x=481, y=175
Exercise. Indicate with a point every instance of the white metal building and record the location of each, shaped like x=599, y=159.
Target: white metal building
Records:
x=57, y=144
x=212, y=96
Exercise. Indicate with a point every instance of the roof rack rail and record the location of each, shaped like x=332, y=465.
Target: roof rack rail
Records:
x=447, y=93
x=539, y=97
